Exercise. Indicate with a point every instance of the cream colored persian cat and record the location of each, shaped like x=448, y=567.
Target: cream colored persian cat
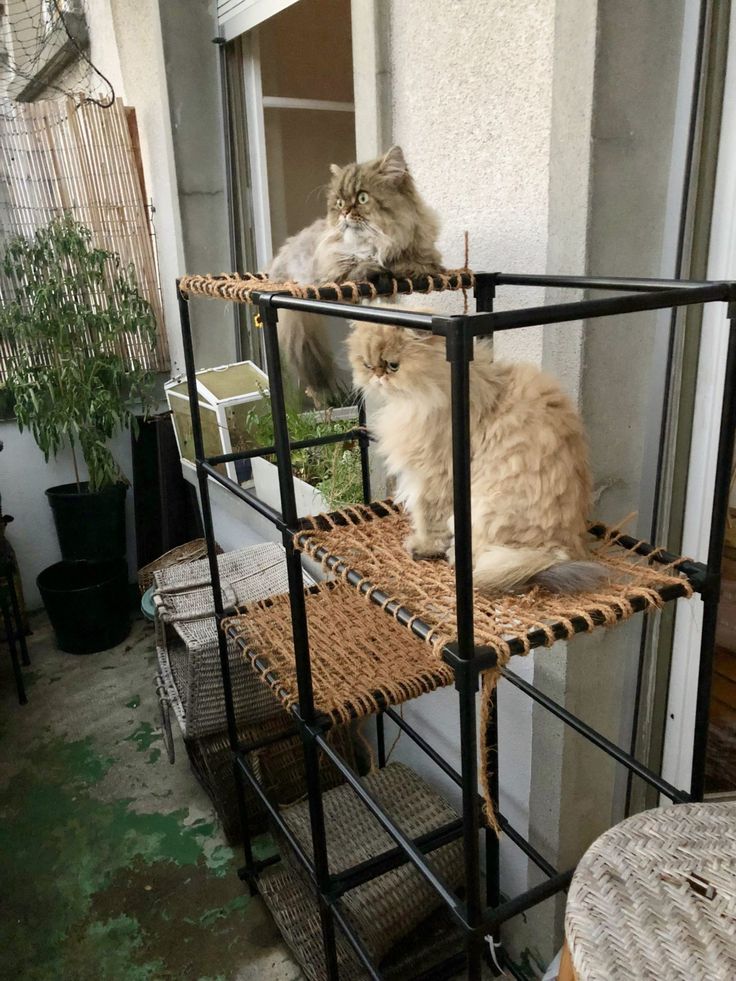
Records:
x=376, y=223
x=530, y=481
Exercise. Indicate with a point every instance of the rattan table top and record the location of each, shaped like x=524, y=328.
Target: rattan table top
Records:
x=655, y=897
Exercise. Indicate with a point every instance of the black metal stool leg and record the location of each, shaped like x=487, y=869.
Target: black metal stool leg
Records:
x=18, y=617
x=10, y=633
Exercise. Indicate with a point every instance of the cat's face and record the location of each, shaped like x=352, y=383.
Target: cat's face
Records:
x=368, y=195
x=396, y=362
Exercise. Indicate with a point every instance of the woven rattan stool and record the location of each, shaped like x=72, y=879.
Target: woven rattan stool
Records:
x=655, y=898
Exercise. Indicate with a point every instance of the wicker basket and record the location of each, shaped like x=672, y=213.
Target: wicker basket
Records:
x=190, y=677
x=278, y=767
x=182, y=554
x=383, y=910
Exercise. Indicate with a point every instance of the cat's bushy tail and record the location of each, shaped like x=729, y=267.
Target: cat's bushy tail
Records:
x=303, y=340
x=502, y=567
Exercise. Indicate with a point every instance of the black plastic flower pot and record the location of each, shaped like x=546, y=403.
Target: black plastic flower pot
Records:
x=87, y=604
x=89, y=525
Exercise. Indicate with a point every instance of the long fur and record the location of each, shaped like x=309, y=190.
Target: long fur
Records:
x=530, y=481
x=392, y=231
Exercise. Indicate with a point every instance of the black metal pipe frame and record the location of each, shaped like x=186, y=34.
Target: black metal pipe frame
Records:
x=467, y=659
x=204, y=496
x=300, y=636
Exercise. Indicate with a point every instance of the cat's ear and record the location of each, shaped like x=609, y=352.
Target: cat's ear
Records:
x=335, y=169
x=393, y=164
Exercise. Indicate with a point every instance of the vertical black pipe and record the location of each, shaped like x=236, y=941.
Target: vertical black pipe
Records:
x=365, y=473
x=12, y=631
x=459, y=346
x=485, y=292
x=17, y=615
x=229, y=171
x=300, y=636
x=209, y=534
x=381, y=739
x=711, y=594
x=364, y=442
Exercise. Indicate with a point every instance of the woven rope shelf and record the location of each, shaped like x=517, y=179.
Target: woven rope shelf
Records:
x=363, y=545
x=362, y=660
x=655, y=898
x=240, y=287
x=359, y=660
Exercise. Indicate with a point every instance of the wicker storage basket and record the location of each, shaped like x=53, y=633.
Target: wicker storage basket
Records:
x=383, y=910
x=182, y=554
x=186, y=639
x=279, y=768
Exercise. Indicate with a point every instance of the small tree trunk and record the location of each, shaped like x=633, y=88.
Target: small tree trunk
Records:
x=76, y=468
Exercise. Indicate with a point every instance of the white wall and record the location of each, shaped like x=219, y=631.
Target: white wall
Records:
x=24, y=477
x=471, y=107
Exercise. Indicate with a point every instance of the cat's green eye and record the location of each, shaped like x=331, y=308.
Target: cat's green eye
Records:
x=363, y=197
x=392, y=365
x=339, y=202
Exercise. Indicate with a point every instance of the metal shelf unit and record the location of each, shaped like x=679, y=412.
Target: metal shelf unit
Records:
x=479, y=911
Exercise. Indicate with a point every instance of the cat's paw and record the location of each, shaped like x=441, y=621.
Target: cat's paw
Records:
x=368, y=272
x=425, y=549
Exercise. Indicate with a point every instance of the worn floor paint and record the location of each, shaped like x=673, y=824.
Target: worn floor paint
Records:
x=112, y=863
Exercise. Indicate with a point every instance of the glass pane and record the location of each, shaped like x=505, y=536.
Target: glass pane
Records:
x=300, y=146
x=306, y=51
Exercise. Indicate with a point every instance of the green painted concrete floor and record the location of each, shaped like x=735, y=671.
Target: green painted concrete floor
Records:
x=112, y=863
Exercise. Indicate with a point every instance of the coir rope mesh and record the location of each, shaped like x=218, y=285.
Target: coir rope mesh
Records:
x=239, y=287
x=362, y=660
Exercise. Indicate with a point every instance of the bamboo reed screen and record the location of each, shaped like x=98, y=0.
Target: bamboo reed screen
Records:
x=59, y=156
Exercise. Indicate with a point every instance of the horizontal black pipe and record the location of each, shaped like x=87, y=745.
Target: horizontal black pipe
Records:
x=609, y=748
x=389, y=826
x=525, y=846
x=276, y=815
x=557, y=313
x=355, y=942
x=696, y=572
x=348, y=311
x=513, y=835
x=245, y=495
x=298, y=444
x=633, y=285
x=391, y=859
x=532, y=897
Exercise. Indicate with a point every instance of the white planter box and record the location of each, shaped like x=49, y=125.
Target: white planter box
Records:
x=266, y=478
x=308, y=499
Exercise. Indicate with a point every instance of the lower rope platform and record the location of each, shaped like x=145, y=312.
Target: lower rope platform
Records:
x=363, y=660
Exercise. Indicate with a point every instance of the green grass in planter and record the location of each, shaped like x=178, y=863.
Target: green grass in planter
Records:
x=333, y=469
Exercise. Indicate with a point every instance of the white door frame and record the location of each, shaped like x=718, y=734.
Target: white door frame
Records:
x=680, y=728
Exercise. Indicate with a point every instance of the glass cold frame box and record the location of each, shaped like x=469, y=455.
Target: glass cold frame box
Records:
x=227, y=396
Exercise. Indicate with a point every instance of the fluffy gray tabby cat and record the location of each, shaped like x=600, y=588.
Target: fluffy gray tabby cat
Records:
x=376, y=223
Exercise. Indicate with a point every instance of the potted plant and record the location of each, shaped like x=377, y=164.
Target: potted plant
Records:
x=72, y=328
x=326, y=477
